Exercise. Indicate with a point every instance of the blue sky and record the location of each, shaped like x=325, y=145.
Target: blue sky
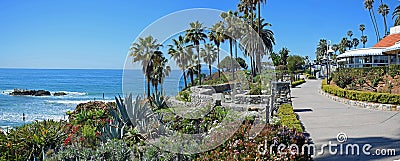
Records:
x=98, y=33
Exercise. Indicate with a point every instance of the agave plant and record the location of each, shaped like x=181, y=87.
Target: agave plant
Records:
x=158, y=101
x=127, y=115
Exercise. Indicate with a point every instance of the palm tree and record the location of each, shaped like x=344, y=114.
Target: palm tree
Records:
x=259, y=53
x=368, y=4
x=284, y=53
x=267, y=37
x=350, y=33
x=321, y=49
x=355, y=42
x=232, y=31
x=362, y=28
x=384, y=11
x=217, y=36
x=364, y=40
x=182, y=55
x=396, y=13
x=195, y=34
x=335, y=47
x=160, y=69
x=209, y=54
x=343, y=45
x=142, y=51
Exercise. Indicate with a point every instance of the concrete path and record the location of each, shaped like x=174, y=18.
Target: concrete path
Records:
x=324, y=119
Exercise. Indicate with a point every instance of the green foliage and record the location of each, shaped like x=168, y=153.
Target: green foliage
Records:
x=215, y=81
x=185, y=96
x=288, y=117
x=255, y=89
x=241, y=147
x=241, y=62
x=32, y=141
x=112, y=150
x=394, y=70
x=294, y=63
x=296, y=83
x=383, y=98
x=201, y=125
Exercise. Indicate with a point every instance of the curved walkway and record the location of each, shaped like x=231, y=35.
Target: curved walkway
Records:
x=324, y=119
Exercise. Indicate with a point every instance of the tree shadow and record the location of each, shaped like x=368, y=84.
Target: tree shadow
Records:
x=303, y=110
x=378, y=145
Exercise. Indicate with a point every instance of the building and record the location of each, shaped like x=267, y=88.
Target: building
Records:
x=385, y=52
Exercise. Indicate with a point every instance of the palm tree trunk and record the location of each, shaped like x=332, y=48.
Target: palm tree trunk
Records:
x=148, y=87
x=258, y=54
x=209, y=67
x=230, y=49
x=376, y=26
x=184, y=78
x=198, y=63
x=219, y=72
x=384, y=20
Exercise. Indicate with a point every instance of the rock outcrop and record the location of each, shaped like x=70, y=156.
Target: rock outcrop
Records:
x=59, y=94
x=21, y=92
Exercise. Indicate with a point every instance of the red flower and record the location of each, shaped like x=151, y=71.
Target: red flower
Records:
x=67, y=140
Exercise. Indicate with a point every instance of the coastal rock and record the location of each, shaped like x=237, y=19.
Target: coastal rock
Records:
x=59, y=94
x=19, y=92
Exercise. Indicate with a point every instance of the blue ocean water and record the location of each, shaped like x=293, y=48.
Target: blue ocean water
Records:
x=81, y=85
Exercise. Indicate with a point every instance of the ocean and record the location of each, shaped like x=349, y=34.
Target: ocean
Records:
x=81, y=85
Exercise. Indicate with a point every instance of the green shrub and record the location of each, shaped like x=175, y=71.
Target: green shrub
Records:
x=288, y=117
x=383, y=98
x=185, y=96
x=296, y=83
x=255, y=89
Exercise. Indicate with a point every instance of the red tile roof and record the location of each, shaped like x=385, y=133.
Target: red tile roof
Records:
x=388, y=41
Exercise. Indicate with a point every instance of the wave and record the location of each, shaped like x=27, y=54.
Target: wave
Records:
x=69, y=93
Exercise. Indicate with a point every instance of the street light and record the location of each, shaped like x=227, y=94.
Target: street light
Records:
x=328, y=52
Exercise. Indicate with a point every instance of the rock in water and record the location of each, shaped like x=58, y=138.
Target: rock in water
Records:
x=59, y=94
x=19, y=92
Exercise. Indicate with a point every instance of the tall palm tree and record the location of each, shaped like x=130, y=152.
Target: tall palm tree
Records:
x=142, y=51
x=355, y=42
x=209, y=54
x=396, y=13
x=182, y=55
x=321, y=49
x=364, y=40
x=259, y=53
x=384, y=11
x=267, y=37
x=368, y=4
x=195, y=34
x=217, y=36
x=160, y=70
x=362, y=28
x=350, y=33
x=232, y=31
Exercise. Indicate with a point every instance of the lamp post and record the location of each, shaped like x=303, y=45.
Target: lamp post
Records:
x=328, y=52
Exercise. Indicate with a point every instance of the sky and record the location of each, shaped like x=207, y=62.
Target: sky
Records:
x=97, y=34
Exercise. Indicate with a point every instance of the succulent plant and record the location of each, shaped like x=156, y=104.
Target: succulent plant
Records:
x=158, y=101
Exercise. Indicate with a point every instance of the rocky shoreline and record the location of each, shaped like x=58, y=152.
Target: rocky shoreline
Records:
x=23, y=92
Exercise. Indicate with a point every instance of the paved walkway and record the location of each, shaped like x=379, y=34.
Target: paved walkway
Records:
x=324, y=119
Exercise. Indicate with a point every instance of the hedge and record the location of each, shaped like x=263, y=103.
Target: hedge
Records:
x=288, y=117
x=296, y=83
x=383, y=98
